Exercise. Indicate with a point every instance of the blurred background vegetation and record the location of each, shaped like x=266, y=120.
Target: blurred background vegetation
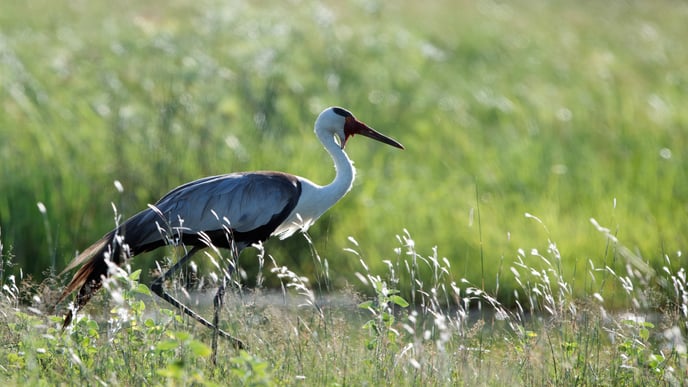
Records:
x=564, y=110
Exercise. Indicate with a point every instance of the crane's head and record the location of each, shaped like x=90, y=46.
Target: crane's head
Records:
x=340, y=123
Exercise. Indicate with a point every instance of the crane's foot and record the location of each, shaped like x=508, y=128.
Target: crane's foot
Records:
x=238, y=344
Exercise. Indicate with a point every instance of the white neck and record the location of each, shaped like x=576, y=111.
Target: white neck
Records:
x=345, y=172
x=316, y=199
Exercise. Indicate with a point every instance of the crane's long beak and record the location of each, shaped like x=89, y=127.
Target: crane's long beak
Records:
x=354, y=126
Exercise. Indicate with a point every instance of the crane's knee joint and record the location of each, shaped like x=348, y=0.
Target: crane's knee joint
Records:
x=156, y=287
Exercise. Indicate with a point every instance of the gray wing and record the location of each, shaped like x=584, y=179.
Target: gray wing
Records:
x=241, y=201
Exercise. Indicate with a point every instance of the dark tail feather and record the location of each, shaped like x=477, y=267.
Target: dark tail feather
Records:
x=89, y=278
x=142, y=234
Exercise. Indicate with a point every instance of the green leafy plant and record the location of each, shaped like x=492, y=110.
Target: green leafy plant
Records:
x=382, y=325
x=250, y=370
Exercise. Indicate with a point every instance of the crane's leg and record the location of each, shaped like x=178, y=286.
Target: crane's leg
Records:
x=218, y=301
x=158, y=288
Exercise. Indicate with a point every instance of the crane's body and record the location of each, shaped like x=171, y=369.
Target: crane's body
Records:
x=231, y=211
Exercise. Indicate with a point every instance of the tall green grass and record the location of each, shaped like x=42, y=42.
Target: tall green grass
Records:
x=453, y=332
x=544, y=189
x=568, y=111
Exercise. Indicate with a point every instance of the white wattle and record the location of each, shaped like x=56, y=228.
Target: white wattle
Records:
x=316, y=199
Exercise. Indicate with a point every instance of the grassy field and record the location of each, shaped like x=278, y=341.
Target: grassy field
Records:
x=567, y=113
x=545, y=155
x=448, y=332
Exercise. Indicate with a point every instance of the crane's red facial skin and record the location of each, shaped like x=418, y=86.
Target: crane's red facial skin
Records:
x=353, y=126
